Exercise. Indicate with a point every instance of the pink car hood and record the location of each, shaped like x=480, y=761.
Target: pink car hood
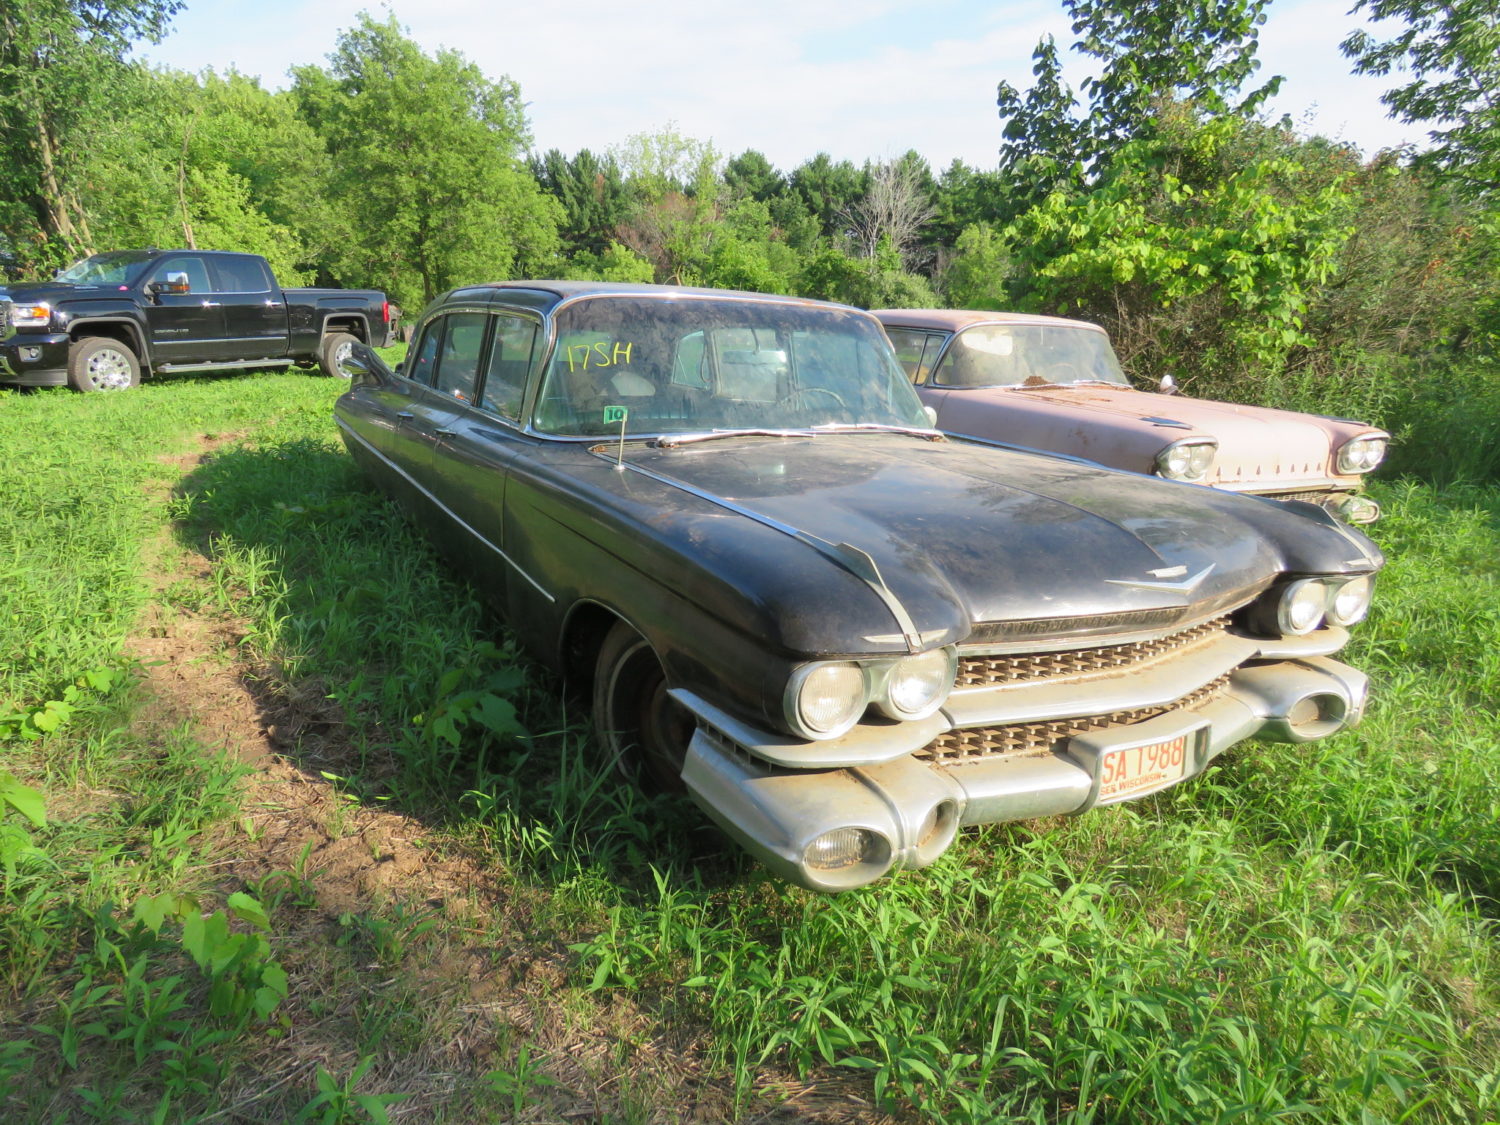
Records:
x=1260, y=449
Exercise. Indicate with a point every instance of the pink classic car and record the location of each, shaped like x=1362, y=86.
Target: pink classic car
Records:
x=1055, y=385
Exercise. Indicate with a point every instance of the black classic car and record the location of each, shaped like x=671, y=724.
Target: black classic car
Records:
x=727, y=517
x=109, y=319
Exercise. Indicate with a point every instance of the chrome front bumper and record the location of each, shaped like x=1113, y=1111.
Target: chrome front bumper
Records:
x=916, y=806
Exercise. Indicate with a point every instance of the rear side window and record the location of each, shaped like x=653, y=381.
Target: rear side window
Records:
x=242, y=274
x=509, y=363
x=917, y=351
x=458, y=357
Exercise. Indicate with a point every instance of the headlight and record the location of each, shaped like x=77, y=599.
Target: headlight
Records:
x=1362, y=454
x=1301, y=607
x=916, y=686
x=31, y=316
x=825, y=700
x=1187, y=460
x=1348, y=602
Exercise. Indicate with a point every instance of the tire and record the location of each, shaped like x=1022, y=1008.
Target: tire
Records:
x=334, y=347
x=98, y=363
x=643, y=729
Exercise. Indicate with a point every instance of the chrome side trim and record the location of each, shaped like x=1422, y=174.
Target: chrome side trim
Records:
x=449, y=512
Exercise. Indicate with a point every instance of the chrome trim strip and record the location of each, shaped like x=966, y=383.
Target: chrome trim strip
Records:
x=349, y=431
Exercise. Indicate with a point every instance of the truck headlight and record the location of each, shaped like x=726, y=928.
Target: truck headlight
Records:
x=1349, y=601
x=1188, y=460
x=1362, y=454
x=825, y=700
x=916, y=686
x=31, y=316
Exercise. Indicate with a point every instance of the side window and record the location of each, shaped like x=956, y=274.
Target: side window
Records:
x=240, y=273
x=423, y=358
x=510, y=361
x=195, y=270
x=458, y=358
x=916, y=350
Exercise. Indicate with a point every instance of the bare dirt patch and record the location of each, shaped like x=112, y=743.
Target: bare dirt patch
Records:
x=464, y=995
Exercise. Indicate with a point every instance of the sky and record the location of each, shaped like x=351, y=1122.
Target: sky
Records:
x=791, y=78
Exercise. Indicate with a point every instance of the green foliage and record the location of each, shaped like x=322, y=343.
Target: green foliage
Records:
x=473, y=213
x=870, y=283
x=1150, y=56
x=60, y=65
x=616, y=263
x=594, y=201
x=15, y=842
x=1451, y=50
x=976, y=274
x=1206, y=261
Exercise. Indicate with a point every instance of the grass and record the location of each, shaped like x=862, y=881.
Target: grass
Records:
x=1307, y=932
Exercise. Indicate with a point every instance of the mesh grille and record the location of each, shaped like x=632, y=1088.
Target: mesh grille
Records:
x=989, y=671
x=955, y=747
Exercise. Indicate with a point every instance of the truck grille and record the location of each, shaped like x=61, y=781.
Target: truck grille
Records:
x=956, y=747
x=989, y=671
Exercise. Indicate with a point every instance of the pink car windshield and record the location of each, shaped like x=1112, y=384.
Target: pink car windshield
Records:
x=1016, y=355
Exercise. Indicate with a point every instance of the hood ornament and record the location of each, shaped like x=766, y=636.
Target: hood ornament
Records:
x=1162, y=580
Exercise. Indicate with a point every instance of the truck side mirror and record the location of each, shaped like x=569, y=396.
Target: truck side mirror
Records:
x=1167, y=386
x=172, y=283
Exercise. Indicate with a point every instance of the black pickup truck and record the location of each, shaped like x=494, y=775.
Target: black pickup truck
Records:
x=109, y=319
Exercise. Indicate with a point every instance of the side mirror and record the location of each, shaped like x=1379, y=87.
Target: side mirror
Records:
x=1167, y=386
x=931, y=412
x=173, y=283
x=361, y=362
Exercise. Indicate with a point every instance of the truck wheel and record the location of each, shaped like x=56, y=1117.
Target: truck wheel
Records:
x=643, y=728
x=97, y=363
x=334, y=348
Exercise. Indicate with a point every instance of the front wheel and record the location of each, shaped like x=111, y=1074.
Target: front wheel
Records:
x=97, y=363
x=644, y=729
x=333, y=351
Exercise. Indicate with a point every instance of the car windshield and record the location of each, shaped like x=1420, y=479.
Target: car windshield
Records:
x=684, y=364
x=1028, y=355
x=119, y=267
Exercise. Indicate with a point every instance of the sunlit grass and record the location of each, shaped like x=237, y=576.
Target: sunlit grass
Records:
x=1304, y=933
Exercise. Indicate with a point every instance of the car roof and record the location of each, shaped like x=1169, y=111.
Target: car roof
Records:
x=955, y=320
x=555, y=292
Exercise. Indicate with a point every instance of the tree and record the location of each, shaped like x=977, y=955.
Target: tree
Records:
x=1452, y=50
x=593, y=197
x=59, y=65
x=427, y=170
x=751, y=176
x=1197, y=52
x=896, y=206
x=827, y=191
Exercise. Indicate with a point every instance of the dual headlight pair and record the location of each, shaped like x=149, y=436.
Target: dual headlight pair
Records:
x=1301, y=606
x=824, y=700
x=1362, y=454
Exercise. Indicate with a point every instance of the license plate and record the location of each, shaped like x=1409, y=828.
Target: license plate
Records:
x=1134, y=771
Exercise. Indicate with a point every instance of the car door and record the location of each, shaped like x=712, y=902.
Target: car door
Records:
x=183, y=313
x=475, y=460
x=918, y=350
x=255, y=318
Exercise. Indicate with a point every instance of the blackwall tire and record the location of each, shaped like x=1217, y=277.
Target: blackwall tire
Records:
x=335, y=346
x=643, y=729
x=98, y=363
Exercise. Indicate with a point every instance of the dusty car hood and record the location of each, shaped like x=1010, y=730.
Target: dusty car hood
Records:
x=1259, y=447
x=964, y=534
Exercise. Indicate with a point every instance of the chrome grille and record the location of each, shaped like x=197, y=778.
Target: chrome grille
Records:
x=955, y=747
x=989, y=671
